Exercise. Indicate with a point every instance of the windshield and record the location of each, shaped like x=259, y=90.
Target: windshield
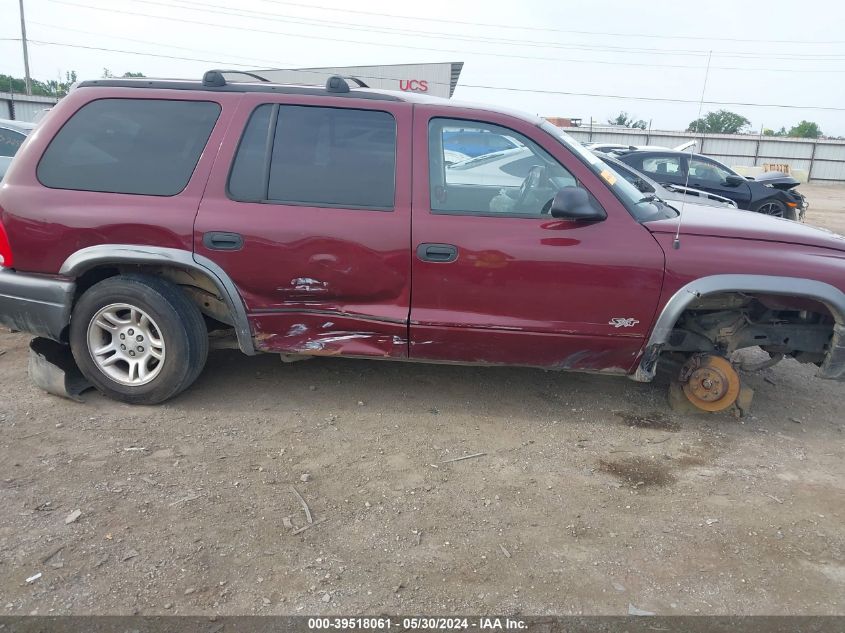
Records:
x=642, y=207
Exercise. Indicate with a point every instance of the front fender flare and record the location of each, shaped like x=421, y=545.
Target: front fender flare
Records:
x=105, y=254
x=830, y=296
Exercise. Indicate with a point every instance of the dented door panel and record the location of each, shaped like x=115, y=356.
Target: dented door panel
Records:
x=302, y=265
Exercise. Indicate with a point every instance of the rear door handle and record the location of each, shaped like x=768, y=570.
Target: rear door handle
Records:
x=439, y=253
x=220, y=241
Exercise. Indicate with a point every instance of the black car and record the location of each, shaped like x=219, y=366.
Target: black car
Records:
x=771, y=193
x=667, y=192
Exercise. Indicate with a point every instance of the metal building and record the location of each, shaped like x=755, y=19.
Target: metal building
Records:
x=20, y=107
x=435, y=79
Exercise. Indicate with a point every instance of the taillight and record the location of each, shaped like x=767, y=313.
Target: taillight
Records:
x=5, y=249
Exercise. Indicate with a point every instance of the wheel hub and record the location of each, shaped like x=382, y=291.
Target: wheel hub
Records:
x=710, y=382
x=126, y=344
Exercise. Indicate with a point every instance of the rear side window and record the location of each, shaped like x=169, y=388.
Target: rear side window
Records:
x=139, y=146
x=325, y=157
x=10, y=141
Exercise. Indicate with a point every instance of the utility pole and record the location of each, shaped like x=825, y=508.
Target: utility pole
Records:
x=25, y=52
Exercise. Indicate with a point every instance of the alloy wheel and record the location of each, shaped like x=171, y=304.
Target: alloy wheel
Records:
x=771, y=208
x=126, y=344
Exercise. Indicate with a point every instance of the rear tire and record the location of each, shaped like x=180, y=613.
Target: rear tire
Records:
x=138, y=339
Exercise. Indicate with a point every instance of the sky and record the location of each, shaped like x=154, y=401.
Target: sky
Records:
x=527, y=53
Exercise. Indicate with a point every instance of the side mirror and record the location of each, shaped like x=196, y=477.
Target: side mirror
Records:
x=573, y=203
x=734, y=181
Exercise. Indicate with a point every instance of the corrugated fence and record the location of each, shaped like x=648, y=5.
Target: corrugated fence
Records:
x=820, y=160
x=23, y=107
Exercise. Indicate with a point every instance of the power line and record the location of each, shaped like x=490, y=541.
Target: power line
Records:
x=115, y=50
x=489, y=87
x=206, y=7
x=425, y=48
x=548, y=29
x=254, y=61
x=658, y=99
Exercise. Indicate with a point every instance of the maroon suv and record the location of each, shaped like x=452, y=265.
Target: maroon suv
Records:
x=141, y=215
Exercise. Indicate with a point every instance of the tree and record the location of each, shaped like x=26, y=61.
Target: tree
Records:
x=61, y=88
x=720, y=122
x=622, y=119
x=806, y=129
x=107, y=74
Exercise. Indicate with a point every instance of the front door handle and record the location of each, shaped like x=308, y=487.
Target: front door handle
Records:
x=439, y=253
x=221, y=241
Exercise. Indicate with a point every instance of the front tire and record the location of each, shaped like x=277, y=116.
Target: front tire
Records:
x=138, y=339
x=775, y=208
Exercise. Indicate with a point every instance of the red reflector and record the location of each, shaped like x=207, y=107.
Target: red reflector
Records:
x=5, y=249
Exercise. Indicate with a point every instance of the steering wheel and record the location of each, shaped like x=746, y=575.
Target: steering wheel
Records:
x=536, y=176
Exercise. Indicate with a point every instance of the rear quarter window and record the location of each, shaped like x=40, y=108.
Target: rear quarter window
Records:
x=136, y=146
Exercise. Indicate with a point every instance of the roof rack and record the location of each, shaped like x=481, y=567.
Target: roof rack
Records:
x=215, y=78
x=338, y=83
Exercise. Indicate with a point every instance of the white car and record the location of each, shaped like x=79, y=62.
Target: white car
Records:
x=451, y=156
x=12, y=135
x=508, y=168
x=612, y=147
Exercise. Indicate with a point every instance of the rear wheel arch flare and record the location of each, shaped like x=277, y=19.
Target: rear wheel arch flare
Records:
x=109, y=257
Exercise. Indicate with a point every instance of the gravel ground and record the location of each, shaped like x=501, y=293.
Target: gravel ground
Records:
x=590, y=495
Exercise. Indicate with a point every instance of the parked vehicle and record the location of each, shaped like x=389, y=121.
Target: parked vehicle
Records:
x=618, y=147
x=473, y=142
x=768, y=195
x=507, y=168
x=147, y=213
x=12, y=136
x=669, y=192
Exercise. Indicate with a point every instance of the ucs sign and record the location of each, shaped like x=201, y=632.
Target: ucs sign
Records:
x=415, y=85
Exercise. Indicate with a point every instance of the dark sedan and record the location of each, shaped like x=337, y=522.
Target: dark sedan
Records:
x=771, y=194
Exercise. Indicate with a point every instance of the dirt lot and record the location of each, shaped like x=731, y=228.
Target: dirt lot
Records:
x=591, y=495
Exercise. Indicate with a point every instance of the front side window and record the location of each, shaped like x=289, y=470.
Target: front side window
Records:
x=708, y=173
x=137, y=146
x=324, y=157
x=662, y=166
x=515, y=177
x=10, y=141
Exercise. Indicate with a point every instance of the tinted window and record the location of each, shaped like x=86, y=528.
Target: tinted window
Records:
x=248, y=178
x=139, y=146
x=333, y=157
x=10, y=141
x=320, y=156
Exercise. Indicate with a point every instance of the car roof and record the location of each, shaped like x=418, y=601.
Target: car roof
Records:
x=661, y=152
x=23, y=127
x=351, y=92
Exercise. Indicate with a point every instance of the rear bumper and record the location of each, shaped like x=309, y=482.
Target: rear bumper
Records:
x=34, y=303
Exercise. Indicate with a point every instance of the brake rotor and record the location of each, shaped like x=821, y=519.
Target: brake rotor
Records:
x=710, y=382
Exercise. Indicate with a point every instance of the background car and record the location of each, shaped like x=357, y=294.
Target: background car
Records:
x=771, y=195
x=507, y=168
x=617, y=147
x=669, y=193
x=12, y=135
x=474, y=143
